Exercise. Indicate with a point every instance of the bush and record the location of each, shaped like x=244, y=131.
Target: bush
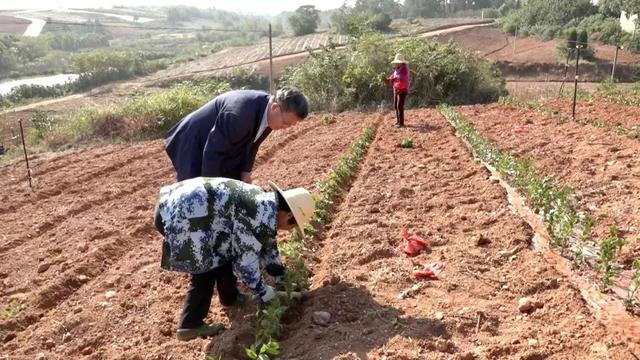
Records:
x=102, y=66
x=24, y=92
x=140, y=118
x=337, y=80
x=41, y=123
x=305, y=20
x=491, y=13
x=544, y=13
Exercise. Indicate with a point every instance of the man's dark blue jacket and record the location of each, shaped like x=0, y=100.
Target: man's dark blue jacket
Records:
x=217, y=140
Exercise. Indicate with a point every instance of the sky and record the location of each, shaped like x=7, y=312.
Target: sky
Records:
x=269, y=7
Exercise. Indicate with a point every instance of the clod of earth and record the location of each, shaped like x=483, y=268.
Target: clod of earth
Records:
x=43, y=267
x=528, y=305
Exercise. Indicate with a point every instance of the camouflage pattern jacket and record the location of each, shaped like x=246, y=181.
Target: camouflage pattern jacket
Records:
x=211, y=221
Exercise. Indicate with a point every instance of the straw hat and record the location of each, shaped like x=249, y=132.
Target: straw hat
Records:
x=399, y=59
x=300, y=202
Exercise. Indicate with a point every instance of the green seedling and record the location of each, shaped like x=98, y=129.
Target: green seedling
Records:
x=297, y=277
x=263, y=351
x=608, y=253
x=557, y=205
x=14, y=309
x=407, y=143
x=634, y=286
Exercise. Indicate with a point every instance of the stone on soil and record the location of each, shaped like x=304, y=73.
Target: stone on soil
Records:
x=321, y=318
x=527, y=305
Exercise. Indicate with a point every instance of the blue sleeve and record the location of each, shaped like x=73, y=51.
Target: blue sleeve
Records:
x=246, y=251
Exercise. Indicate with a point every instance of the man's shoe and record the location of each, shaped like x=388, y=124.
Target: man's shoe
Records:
x=203, y=331
x=397, y=126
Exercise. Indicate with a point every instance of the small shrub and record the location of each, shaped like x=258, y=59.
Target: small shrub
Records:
x=41, y=123
x=13, y=310
x=491, y=13
x=609, y=251
x=354, y=78
x=634, y=286
x=407, y=143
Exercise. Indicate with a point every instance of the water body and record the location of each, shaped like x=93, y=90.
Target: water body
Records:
x=7, y=86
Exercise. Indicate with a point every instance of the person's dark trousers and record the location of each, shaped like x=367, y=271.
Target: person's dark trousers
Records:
x=198, y=299
x=398, y=104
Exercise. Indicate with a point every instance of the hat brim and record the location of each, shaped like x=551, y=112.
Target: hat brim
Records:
x=295, y=215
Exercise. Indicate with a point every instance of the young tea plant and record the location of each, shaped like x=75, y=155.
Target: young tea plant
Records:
x=407, y=143
x=297, y=277
x=557, y=205
x=631, y=300
x=14, y=309
x=264, y=351
x=606, y=256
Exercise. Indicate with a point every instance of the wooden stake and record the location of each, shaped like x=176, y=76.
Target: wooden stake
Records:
x=26, y=158
x=615, y=61
x=271, y=89
x=575, y=87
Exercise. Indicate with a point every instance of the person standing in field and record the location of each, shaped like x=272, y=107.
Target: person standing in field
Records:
x=221, y=139
x=400, y=80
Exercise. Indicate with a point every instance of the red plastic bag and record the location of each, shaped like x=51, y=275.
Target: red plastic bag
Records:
x=430, y=272
x=414, y=243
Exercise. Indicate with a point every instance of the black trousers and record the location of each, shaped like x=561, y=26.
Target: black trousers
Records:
x=398, y=105
x=198, y=299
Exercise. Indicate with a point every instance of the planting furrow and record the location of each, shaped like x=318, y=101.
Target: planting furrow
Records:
x=27, y=255
x=294, y=170
x=42, y=166
x=269, y=320
x=147, y=299
x=618, y=119
x=95, y=250
x=603, y=168
x=45, y=214
x=53, y=186
x=379, y=309
x=279, y=139
x=617, y=116
x=559, y=223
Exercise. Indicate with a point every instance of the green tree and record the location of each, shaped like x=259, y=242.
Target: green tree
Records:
x=423, y=8
x=552, y=12
x=583, y=39
x=572, y=39
x=305, y=20
x=610, y=8
x=373, y=7
x=632, y=7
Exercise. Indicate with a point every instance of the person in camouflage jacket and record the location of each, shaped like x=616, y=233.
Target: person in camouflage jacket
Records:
x=216, y=227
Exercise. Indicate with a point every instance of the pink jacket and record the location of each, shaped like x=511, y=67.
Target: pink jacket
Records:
x=401, y=78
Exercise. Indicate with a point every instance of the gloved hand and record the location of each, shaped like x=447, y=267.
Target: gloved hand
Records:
x=269, y=294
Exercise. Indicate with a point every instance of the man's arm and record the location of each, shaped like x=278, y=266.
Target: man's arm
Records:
x=272, y=262
x=228, y=131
